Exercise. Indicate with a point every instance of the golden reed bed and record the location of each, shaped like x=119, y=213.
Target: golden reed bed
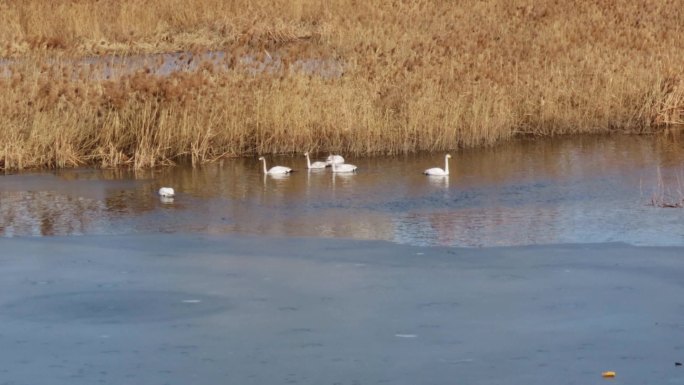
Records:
x=416, y=75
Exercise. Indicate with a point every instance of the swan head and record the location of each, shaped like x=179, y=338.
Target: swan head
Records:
x=306, y=153
x=262, y=158
x=448, y=156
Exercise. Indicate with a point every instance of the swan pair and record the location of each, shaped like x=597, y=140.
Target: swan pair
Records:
x=336, y=161
x=330, y=161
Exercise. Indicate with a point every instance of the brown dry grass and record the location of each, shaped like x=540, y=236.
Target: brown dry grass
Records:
x=418, y=75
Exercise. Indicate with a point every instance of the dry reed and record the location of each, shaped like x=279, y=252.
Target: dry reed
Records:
x=417, y=75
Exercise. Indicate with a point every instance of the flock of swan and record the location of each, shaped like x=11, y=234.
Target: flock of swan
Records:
x=336, y=162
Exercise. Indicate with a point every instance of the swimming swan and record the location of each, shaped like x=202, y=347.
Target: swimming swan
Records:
x=166, y=192
x=275, y=169
x=439, y=171
x=316, y=165
x=337, y=159
x=344, y=167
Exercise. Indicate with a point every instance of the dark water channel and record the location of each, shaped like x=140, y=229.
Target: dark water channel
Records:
x=570, y=190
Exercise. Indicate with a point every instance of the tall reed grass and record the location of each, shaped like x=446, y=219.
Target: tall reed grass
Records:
x=417, y=75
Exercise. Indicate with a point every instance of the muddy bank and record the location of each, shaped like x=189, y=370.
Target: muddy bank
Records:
x=178, y=309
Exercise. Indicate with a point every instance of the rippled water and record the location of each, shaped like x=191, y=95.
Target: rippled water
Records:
x=571, y=190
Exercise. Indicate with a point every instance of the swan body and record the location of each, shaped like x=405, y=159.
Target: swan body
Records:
x=314, y=165
x=344, y=167
x=166, y=192
x=334, y=159
x=275, y=169
x=438, y=171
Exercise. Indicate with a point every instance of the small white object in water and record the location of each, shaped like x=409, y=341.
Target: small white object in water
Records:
x=406, y=335
x=463, y=361
x=166, y=192
x=191, y=301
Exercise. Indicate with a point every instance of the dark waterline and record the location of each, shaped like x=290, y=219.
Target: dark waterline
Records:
x=570, y=190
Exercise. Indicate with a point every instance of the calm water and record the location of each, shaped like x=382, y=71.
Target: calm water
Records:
x=572, y=190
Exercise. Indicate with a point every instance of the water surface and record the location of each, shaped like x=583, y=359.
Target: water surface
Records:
x=570, y=190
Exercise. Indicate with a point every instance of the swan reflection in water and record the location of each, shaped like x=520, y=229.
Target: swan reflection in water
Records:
x=438, y=181
x=166, y=200
x=275, y=180
x=344, y=180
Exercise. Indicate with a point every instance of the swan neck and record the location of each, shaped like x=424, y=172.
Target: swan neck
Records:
x=446, y=165
x=265, y=171
x=308, y=162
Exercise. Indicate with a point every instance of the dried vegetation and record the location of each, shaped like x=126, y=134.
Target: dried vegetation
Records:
x=417, y=75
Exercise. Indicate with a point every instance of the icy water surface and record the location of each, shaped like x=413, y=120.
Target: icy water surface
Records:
x=571, y=190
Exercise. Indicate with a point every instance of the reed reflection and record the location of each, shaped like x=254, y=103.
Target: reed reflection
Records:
x=45, y=213
x=438, y=181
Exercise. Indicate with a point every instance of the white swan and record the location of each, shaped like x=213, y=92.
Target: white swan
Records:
x=315, y=165
x=275, y=169
x=334, y=159
x=344, y=167
x=166, y=192
x=438, y=171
